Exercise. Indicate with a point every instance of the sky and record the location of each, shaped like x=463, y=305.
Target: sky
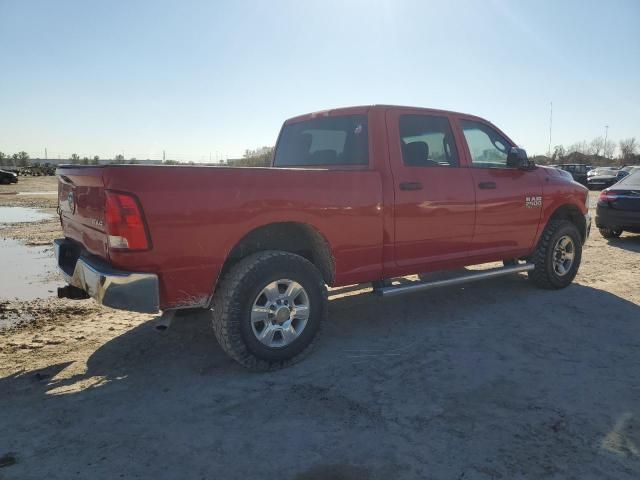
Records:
x=212, y=78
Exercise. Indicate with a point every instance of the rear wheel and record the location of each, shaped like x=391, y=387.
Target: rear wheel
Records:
x=610, y=233
x=557, y=256
x=268, y=310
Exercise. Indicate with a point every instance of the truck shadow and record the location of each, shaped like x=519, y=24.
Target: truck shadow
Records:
x=627, y=241
x=189, y=346
x=419, y=351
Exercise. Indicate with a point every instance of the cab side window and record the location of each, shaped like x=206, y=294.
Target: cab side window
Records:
x=487, y=147
x=427, y=141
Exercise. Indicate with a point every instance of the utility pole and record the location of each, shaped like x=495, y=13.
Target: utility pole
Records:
x=45, y=153
x=163, y=156
x=550, y=125
x=606, y=134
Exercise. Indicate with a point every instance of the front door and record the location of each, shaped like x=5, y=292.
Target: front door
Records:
x=434, y=208
x=508, y=199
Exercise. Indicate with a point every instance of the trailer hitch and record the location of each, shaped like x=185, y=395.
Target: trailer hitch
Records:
x=74, y=293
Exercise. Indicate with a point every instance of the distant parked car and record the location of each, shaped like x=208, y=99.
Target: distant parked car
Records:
x=562, y=171
x=599, y=170
x=578, y=171
x=623, y=172
x=602, y=178
x=8, y=177
x=618, y=207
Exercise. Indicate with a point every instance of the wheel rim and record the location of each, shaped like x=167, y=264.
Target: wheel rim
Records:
x=563, y=255
x=280, y=313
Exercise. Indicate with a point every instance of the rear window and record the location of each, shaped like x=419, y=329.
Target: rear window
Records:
x=631, y=181
x=324, y=141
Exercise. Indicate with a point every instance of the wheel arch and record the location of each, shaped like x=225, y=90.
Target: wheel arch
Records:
x=293, y=237
x=572, y=213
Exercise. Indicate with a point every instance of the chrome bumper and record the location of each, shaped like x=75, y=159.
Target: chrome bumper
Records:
x=137, y=292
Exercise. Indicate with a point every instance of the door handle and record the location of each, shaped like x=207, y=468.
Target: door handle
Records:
x=487, y=185
x=410, y=186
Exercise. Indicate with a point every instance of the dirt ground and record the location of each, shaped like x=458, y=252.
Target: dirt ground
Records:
x=490, y=380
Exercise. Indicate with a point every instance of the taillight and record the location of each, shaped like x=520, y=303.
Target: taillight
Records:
x=125, y=224
x=607, y=196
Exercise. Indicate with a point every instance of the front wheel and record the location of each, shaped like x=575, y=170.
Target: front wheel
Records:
x=268, y=310
x=557, y=256
x=610, y=233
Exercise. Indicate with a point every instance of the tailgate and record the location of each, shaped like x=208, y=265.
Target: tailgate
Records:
x=81, y=205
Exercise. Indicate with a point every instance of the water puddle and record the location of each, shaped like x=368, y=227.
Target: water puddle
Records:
x=52, y=192
x=27, y=272
x=22, y=214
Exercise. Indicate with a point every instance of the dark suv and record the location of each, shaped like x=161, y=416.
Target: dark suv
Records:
x=577, y=170
x=8, y=177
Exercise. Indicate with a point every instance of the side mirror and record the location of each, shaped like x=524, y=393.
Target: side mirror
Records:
x=517, y=158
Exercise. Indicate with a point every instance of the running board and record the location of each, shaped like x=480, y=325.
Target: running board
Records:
x=471, y=277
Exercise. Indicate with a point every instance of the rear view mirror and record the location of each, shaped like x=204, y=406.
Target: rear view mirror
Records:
x=517, y=158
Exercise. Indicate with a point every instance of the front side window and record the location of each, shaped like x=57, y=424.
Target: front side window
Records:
x=323, y=142
x=427, y=141
x=488, y=148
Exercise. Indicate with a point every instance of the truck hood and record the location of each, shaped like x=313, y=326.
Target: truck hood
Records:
x=557, y=173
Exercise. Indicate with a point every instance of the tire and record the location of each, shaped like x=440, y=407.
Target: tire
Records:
x=610, y=233
x=240, y=292
x=546, y=274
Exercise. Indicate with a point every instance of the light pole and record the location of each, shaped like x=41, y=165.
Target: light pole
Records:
x=606, y=134
x=550, y=124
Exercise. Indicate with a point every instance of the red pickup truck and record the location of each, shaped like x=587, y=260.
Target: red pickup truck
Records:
x=354, y=195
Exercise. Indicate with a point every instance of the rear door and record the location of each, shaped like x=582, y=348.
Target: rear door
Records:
x=434, y=210
x=508, y=200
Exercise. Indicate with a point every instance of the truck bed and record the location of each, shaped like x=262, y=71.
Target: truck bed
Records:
x=196, y=214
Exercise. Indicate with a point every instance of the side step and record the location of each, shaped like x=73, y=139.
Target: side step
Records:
x=391, y=291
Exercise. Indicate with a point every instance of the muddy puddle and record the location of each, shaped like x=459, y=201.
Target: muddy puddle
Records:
x=52, y=192
x=22, y=215
x=27, y=273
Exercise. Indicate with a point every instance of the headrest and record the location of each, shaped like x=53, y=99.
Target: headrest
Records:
x=415, y=153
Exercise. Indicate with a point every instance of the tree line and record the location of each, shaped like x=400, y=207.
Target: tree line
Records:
x=22, y=159
x=260, y=157
x=598, y=152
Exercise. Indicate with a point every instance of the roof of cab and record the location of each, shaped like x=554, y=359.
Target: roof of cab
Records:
x=364, y=109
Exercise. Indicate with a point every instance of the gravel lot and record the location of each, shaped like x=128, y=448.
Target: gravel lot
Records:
x=493, y=380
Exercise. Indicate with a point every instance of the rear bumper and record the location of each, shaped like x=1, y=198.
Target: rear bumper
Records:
x=617, y=219
x=136, y=292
